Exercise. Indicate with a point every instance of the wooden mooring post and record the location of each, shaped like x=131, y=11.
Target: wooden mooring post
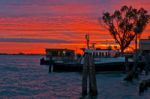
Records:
x=89, y=72
x=133, y=73
x=127, y=64
x=50, y=65
x=146, y=60
x=144, y=85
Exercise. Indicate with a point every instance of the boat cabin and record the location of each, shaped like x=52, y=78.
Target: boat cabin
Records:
x=103, y=52
x=59, y=54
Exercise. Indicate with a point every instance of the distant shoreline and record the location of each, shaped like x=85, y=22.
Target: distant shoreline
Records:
x=21, y=54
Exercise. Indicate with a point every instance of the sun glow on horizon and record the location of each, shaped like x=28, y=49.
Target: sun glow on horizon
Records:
x=31, y=26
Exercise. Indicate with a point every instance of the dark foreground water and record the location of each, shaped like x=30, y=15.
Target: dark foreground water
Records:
x=21, y=77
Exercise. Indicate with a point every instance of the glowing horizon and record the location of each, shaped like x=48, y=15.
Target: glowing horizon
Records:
x=30, y=26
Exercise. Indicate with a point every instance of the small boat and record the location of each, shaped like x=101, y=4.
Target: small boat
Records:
x=56, y=55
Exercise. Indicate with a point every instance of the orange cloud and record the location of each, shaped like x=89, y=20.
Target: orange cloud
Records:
x=39, y=25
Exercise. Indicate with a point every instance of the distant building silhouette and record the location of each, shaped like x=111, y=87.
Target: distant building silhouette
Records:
x=144, y=45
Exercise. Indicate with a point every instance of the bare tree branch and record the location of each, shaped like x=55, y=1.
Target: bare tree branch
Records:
x=122, y=23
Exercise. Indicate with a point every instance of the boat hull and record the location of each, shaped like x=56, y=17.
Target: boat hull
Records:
x=118, y=66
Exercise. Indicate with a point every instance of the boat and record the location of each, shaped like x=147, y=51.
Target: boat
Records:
x=57, y=55
x=104, y=60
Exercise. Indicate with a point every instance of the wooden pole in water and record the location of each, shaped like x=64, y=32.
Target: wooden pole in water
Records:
x=126, y=64
x=85, y=75
x=92, y=77
x=89, y=71
x=49, y=70
x=50, y=64
x=146, y=58
x=134, y=72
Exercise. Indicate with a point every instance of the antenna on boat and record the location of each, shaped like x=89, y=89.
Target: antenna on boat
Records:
x=87, y=37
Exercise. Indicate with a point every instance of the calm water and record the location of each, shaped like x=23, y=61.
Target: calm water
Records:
x=21, y=77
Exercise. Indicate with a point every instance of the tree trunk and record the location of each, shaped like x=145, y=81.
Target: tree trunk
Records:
x=122, y=51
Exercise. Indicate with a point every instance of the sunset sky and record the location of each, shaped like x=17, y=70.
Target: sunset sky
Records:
x=30, y=26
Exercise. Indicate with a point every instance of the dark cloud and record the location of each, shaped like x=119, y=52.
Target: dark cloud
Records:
x=51, y=7
x=34, y=40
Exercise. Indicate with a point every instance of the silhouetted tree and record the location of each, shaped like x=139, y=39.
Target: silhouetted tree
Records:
x=125, y=24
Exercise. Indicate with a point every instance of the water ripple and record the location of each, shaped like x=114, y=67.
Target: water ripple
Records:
x=21, y=77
